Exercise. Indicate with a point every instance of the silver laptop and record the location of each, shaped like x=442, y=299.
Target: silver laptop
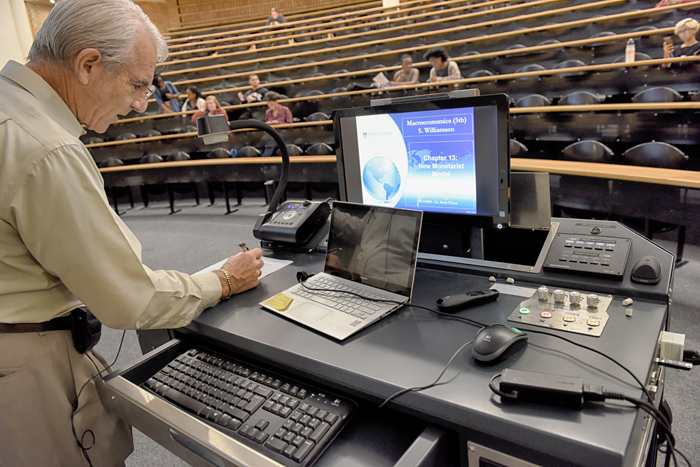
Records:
x=372, y=252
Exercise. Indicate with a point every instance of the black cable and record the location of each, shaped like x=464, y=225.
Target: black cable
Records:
x=648, y=407
x=434, y=383
x=641, y=385
x=460, y=318
x=81, y=440
x=683, y=456
x=505, y=395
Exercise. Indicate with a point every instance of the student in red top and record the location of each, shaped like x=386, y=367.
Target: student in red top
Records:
x=212, y=108
x=276, y=112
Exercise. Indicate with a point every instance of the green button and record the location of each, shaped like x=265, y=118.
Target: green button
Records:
x=517, y=330
x=524, y=311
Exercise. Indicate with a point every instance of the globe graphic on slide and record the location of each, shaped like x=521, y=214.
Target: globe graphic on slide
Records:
x=381, y=178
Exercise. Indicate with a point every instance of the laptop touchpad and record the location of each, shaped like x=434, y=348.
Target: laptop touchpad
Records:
x=308, y=312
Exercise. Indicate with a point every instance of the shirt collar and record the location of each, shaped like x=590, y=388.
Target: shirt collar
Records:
x=46, y=96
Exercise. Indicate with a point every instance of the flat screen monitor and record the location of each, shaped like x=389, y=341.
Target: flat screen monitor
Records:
x=446, y=157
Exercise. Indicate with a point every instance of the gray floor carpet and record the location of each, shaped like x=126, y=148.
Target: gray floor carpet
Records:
x=192, y=239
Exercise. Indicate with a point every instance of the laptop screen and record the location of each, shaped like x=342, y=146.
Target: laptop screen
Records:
x=374, y=245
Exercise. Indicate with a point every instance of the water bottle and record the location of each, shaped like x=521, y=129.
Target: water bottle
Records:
x=630, y=51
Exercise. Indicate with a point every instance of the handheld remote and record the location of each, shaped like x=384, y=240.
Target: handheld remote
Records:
x=452, y=303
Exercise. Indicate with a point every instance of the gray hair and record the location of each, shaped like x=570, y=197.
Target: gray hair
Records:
x=109, y=26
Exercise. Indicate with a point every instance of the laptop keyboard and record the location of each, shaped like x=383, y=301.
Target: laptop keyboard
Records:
x=341, y=301
x=288, y=421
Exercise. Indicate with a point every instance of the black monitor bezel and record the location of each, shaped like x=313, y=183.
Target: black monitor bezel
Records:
x=500, y=101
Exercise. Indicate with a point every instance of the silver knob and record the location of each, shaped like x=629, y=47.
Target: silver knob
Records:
x=559, y=296
x=574, y=298
x=592, y=300
x=543, y=293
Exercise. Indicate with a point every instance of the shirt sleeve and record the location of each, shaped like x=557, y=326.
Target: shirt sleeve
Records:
x=158, y=96
x=65, y=221
x=287, y=115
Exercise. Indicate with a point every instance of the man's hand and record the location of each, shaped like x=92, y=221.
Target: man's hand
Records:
x=245, y=270
x=241, y=96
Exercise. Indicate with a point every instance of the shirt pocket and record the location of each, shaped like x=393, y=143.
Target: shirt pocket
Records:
x=7, y=374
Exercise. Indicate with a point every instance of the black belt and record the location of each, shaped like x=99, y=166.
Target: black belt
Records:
x=56, y=324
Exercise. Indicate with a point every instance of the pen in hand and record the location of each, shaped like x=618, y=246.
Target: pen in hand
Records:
x=243, y=246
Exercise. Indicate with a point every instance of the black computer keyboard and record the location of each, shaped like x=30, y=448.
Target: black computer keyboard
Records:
x=290, y=422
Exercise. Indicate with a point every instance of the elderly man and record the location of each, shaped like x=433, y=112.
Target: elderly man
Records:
x=64, y=247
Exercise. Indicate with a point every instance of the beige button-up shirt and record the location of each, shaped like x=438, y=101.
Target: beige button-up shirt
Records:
x=61, y=244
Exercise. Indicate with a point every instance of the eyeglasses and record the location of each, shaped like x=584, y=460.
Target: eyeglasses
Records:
x=683, y=31
x=150, y=88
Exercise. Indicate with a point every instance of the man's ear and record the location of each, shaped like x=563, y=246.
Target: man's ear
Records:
x=88, y=65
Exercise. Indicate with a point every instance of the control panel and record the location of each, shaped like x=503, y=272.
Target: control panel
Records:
x=589, y=254
x=566, y=310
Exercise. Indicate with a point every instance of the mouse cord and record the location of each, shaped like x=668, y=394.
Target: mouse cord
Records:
x=81, y=440
x=434, y=383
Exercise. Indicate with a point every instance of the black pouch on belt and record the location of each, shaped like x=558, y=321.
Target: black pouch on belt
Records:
x=86, y=329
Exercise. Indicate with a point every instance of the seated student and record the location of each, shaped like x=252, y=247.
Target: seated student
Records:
x=212, y=108
x=194, y=101
x=407, y=74
x=166, y=95
x=276, y=112
x=686, y=30
x=256, y=93
x=443, y=68
x=276, y=18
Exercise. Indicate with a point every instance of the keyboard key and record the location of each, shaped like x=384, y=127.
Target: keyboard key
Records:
x=303, y=451
x=187, y=402
x=254, y=404
x=306, y=432
x=284, y=412
x=313, y=423
x=224, y=420
x=298, y=441
x=331, y=418
x=262, y=424
x=214, y=416
x=292, y=403
x=289, y=450
x=262, y=391
x=319, y=432
x=297, y=428
x=261, y=437
x=237, y=413
x=289, y=437
x=276, y=445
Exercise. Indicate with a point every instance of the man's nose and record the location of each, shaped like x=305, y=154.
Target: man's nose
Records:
x=139, y=104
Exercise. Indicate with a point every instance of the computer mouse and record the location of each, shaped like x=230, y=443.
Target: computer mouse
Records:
x=497, y=342
x=646, y=271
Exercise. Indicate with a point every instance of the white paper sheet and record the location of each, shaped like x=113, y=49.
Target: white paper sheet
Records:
x=271, y=265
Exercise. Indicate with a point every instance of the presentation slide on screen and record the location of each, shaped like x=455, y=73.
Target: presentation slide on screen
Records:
x=419, y=160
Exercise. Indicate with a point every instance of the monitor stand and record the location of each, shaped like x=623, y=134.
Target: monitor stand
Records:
x=521, y=247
